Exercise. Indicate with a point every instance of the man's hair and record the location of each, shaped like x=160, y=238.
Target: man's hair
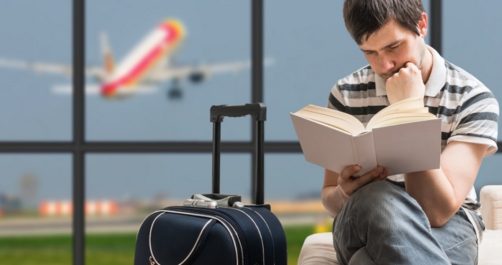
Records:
x=365, y=17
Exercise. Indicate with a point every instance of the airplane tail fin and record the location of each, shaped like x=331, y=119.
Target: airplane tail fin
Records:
x=106, y=51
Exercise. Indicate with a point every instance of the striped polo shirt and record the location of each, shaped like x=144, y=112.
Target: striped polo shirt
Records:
x=467, y=108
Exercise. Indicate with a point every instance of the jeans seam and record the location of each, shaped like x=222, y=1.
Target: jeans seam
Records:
x=458, y=244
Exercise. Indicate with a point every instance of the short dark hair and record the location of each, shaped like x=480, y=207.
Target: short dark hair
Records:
x=365, y=17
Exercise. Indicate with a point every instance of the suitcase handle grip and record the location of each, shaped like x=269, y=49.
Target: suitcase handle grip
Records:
x=222, y=200
x=257, y=110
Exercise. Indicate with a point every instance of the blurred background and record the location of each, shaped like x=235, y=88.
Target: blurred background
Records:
x=306, y=49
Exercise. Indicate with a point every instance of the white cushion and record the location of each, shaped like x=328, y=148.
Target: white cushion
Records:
x=318, y=249
x=490, y=249
x=491, y=206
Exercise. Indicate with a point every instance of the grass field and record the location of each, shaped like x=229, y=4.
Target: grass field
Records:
x=101, y=249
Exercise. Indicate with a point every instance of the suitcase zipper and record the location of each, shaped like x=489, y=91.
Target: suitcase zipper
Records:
x=152, y=259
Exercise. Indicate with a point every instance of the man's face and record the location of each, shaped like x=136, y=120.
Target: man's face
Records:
x=392, y=46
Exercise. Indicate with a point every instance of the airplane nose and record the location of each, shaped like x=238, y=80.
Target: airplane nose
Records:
x=109, y=90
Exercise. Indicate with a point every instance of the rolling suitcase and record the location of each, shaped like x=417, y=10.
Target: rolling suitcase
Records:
x=216, y=229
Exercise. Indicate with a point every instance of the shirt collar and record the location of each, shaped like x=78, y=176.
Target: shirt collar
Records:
x=436, y=81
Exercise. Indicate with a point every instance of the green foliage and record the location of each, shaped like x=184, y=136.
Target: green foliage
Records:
x=295, y=236
x=53, y=250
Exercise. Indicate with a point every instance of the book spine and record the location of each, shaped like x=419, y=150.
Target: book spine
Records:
x=364, y=152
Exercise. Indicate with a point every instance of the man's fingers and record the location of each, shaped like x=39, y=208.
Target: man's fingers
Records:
x=413, y=67
x=370, y=176
x=350, y=171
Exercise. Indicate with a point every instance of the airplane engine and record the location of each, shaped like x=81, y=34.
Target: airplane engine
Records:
x=197, y=76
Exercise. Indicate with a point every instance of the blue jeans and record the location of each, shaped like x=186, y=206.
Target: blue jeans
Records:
x=382, y=224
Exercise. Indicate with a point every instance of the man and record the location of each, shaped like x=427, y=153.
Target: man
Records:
x=426, y=217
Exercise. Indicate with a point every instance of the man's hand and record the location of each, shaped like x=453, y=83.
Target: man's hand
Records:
x=350, y=184
x=406, y=83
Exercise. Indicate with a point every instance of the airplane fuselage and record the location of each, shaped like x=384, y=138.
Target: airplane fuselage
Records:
x=158, y=44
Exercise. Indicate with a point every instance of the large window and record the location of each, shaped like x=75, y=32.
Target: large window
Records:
x=174, y=107
x=71, y=200
x=471, y=41
x=35, y=207
x=312, y=50
x=35, y=55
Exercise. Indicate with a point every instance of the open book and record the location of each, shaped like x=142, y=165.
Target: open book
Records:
x=403, y=137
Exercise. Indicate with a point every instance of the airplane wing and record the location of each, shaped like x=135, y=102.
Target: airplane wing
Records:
x=48, y=68
x=181, y=72
x=95, y=90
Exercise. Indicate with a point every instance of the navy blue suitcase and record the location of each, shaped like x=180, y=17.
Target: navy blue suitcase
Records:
x=214, y=228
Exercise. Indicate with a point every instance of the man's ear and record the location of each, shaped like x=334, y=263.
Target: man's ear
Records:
x=422, y=25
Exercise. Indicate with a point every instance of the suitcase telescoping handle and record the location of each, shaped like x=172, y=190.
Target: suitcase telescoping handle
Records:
x=258, y=111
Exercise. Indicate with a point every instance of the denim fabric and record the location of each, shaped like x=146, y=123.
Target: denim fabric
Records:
x=382, y=224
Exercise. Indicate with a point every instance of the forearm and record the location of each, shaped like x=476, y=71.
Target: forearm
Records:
x=435, y=193
x=333, y=199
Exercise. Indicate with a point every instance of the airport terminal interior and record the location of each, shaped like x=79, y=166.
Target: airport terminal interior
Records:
x=105, y=111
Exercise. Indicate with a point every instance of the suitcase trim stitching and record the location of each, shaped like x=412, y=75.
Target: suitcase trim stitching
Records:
x=196, y=241
x=269, y=231
x=259, y=233
x=200, y=215
x=150, y=237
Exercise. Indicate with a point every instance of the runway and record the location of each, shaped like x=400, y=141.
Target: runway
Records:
x=102, y=225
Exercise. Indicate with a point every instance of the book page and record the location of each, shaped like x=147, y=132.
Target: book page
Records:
x=409, y=147
x=333, y=118
x=364, y=152
x=323, y=146
x=402, y=118
x=404, y=111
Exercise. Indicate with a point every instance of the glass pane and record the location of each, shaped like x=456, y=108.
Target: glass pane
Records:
x=35, y=209
x=157, y=92
x=489, y=173
x=123, y=189
x=290, y=177
x=35, y=55
x=312, y=50
x=472, y=39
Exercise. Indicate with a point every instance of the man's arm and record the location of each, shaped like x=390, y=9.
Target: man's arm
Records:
x=442, y=191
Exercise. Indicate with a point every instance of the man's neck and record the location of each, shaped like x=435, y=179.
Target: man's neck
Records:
x=427, y=65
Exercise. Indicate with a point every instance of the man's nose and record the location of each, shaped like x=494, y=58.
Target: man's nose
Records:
x=386, y=64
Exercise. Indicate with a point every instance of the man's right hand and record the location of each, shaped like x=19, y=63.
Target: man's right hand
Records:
x=405, y=83
x=350, y=184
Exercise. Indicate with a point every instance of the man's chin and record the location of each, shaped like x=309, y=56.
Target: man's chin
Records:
x=385, y=77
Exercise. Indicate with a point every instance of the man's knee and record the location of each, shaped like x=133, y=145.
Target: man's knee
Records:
x=376, y=194
x=381, y=199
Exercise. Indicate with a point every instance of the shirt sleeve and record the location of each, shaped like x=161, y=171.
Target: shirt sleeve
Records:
x=477, y=119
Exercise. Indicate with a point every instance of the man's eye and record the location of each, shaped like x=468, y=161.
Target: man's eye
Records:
x=394, y=47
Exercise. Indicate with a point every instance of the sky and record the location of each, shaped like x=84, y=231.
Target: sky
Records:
x=310, y=49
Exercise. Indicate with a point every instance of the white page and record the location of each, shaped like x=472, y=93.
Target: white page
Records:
x=409, y=147
x=324, y=146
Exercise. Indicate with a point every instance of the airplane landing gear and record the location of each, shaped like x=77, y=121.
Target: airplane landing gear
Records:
x=175, y=92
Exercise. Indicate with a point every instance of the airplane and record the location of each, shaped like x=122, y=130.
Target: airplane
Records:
x=147, y=65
